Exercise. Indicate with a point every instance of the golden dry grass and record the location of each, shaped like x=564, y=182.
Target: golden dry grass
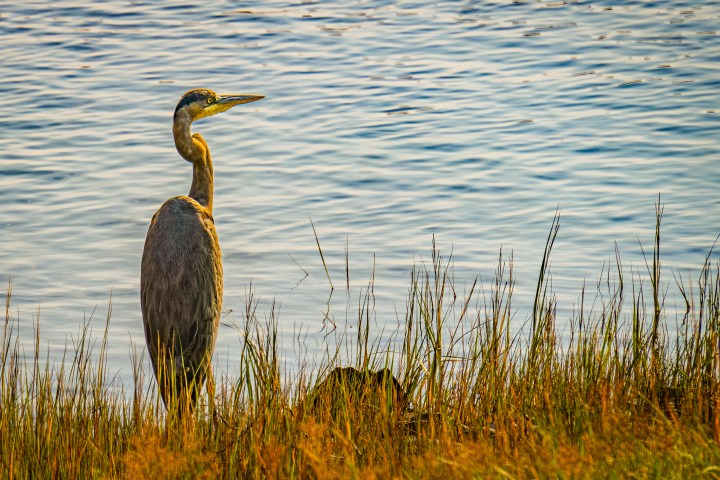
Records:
x=629, y=395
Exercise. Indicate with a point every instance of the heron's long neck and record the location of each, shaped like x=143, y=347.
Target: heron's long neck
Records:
x=194, y=149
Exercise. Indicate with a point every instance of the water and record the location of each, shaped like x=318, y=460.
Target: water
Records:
x=384, y=124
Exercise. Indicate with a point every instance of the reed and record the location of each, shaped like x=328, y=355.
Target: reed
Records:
x=458, y=392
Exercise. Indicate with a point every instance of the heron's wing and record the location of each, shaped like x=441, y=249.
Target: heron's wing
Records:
x=181, y=284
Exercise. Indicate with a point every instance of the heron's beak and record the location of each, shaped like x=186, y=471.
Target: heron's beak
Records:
x=226, y=102
x=229, y=101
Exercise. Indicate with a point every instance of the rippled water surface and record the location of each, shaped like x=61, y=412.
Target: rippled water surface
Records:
x=384, y=123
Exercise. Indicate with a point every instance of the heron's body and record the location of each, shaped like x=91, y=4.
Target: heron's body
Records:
x=181, y=273
x=182, y=312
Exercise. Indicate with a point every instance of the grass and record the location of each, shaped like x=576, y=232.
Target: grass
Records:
x=623, y=393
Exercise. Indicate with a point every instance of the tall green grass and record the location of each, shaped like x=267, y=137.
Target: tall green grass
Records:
x=626, y=390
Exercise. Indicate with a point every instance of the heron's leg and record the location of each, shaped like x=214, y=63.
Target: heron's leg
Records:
x=211, y=394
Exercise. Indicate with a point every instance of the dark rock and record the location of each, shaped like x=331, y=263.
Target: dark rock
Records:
x=352, y=390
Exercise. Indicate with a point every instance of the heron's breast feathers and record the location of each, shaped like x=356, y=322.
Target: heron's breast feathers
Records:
x=181, y=279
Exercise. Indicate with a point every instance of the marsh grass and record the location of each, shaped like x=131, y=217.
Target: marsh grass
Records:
x=625, y=391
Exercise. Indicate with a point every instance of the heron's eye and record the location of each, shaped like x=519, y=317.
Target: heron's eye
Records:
x=210, y=100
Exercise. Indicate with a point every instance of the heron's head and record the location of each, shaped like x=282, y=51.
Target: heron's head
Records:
x=202, y=103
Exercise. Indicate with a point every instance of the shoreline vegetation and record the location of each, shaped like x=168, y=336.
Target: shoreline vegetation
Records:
x=624, y=392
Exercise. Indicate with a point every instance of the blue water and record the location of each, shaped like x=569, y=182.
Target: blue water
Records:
x=384, y=124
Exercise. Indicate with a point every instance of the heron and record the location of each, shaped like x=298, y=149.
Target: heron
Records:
x=181, y=278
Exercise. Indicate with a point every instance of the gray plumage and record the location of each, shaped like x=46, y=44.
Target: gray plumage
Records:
x=181, y=279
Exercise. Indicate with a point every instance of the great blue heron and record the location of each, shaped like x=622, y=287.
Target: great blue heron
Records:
x=181, y=282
